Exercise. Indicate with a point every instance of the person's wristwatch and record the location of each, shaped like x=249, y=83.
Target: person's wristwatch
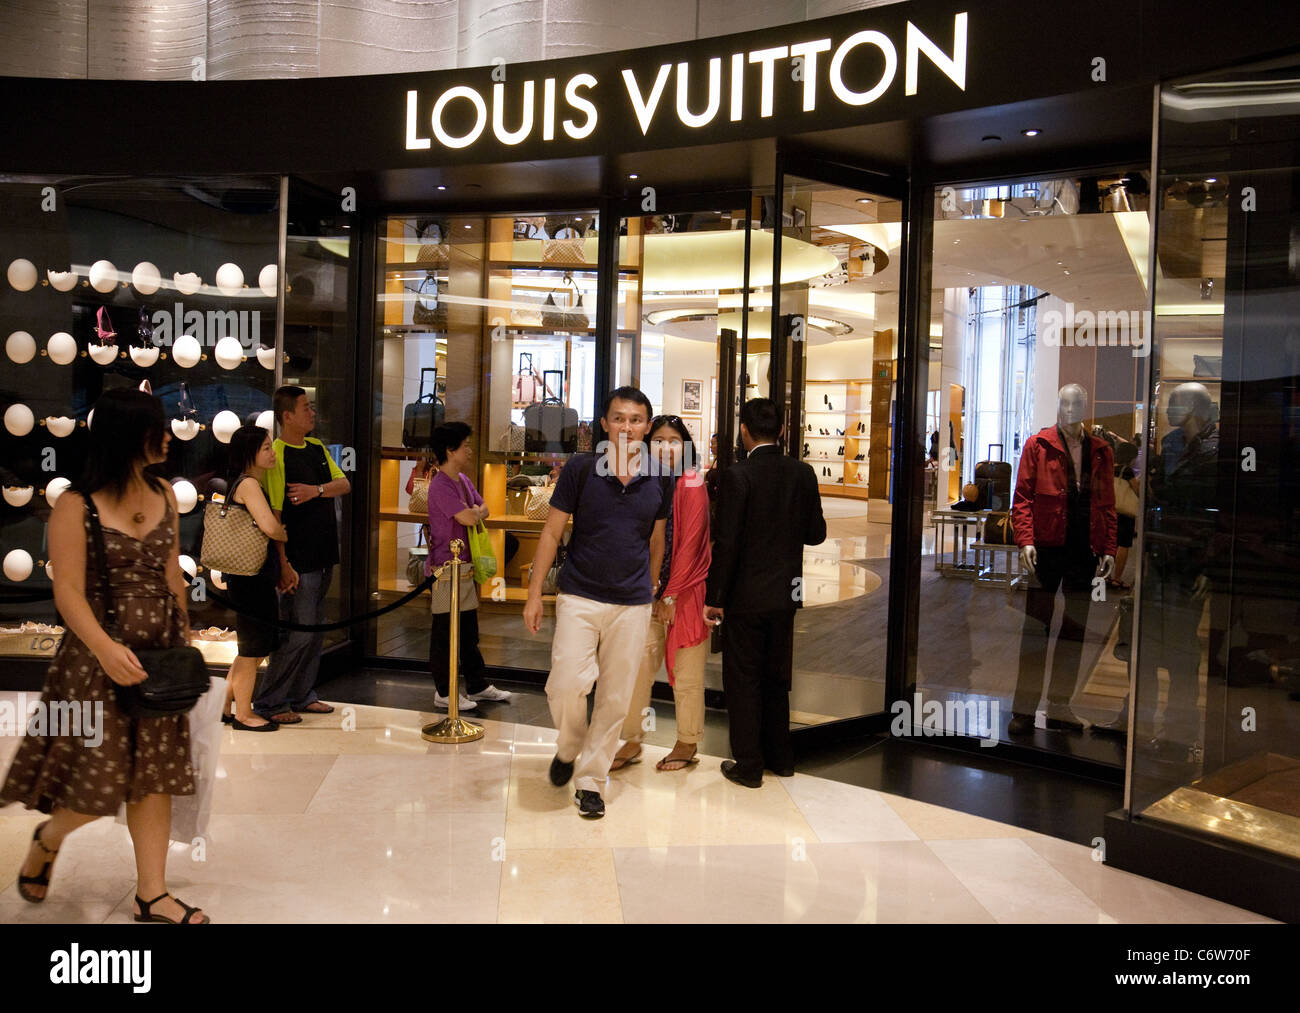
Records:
x=320, y=490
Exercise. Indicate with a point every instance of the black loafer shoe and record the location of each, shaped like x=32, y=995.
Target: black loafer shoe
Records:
x=560, y=771
x=1020, y=724
x=239, y=726
x=590, y=805
x=729, y=772
x=783, y=772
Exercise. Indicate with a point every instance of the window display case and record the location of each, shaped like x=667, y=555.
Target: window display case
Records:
x=168, y=285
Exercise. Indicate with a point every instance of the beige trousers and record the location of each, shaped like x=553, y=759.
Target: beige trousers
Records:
x=688, y=689
x=595, y=644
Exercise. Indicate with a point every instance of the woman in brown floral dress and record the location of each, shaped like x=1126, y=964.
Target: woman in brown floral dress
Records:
x=140, y=761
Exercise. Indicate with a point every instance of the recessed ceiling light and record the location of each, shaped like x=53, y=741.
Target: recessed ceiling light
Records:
x=467, y=226
x=1067, y=272
x=1031, y=132
x=990, y=137
x=866, y=200
x=1212, y=179
x=633, y=175
x=441, y=187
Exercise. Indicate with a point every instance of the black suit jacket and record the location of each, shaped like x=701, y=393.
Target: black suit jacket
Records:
x=768, y=510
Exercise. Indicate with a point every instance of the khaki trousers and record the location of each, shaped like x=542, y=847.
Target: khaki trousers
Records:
x=595, y=644
x=688, y=688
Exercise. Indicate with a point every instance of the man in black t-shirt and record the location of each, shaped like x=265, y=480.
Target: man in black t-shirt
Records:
x=300, y=489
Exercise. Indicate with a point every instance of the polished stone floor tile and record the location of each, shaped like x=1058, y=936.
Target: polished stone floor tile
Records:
x=95, y=865
x=843, y=813
x=1016, y=883
x=649, y=808
x=1130, y=898
x=897, y=881
x=560, y=885
x=932, y=822
x=357, y=785
x=250, y=783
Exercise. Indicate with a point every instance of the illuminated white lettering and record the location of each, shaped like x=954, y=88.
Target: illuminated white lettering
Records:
x=684, y=113
x=768, y=58
x=645, y=108
x=480, y=109
x=548, y=109
x=809, y=51
x=413, y=141
x=498, y=114
x=580, y=104
x=737, y=86
x=953, y=67
x=861, y=98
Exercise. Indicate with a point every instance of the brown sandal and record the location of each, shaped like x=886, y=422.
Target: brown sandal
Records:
x=42, y=878
x=685, y=761
x=619, y=762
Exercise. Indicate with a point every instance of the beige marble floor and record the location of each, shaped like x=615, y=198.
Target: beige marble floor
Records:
x=352, y=817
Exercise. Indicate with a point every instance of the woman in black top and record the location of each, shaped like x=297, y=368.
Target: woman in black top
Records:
x=254, y=596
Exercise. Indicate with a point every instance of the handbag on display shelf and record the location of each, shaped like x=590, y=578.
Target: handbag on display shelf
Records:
x=177, y=676
x=551, y=426
x=416, y=559
x=423, y=415
x=512, y=440
x=998, y=530
x=232, y=541
x=433, y=244
x=419, y=501
x=538, y=505
x=430, y=311
x=565, y=247
x=1126, y=500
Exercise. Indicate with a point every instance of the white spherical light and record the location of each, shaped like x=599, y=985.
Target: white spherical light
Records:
x=18, y=564
x=224, y=425
x=18, y=495
x=22, y=274
x=90, y=418
x=187, y=566
x=230, y=279
x=186, y=351
x=144, y=357
x=20, y=347
x=103, y=354
x=186, y=495
x=60, y=425
x=188, y=283
x=62, y=281
x=267, y=278
x=266, y=356
x=103, y=276
x=185, y=429
x=55, y=489
x=218, y=579
x=146, y=278
x=49, y=569
x=61, y=347
x=19, y=419
x=229, y=353
x=267, y=420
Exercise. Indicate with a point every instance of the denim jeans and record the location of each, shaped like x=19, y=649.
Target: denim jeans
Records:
x=289, y=682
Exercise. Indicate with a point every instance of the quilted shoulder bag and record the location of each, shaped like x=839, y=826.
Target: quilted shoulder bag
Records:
x=177, y=676
x=566, y=247
x=433, y=245
x=419, y=502
x=232, y=541
x=538, y=505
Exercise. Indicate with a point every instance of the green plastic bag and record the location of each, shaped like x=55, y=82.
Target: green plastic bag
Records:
x=480, y=550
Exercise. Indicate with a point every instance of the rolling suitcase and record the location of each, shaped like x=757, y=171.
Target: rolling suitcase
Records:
x=550, y=426
x=422, y=415
x=994, y=481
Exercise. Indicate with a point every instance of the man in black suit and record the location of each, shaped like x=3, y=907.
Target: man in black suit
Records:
x=768, y=510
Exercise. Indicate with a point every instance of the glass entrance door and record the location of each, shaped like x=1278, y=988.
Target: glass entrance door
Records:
x=833, y=350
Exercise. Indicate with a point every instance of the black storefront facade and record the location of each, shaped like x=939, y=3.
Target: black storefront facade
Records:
x=897, y=103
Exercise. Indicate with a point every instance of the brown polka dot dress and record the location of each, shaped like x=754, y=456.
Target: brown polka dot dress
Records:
x=138, y=756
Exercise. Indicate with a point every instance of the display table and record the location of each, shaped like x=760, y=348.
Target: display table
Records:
x=989, y=569
x=967, y=528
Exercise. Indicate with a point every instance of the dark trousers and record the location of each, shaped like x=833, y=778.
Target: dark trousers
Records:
x=473, y=672
x=757, y=659
x=1069, y=569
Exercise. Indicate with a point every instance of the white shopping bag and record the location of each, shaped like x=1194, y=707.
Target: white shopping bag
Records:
x=190, y=812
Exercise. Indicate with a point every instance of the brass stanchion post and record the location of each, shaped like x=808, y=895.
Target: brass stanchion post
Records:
x=453, y=728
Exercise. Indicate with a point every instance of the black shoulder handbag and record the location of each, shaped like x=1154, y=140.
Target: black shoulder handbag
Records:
x=178, y=676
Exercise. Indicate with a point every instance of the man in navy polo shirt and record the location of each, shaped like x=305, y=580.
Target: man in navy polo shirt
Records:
x=619, y=508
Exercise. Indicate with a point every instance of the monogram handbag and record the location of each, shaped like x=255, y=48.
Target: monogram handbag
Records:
x=415, y=560
x=177, y=676
x=997, y=529
x=538, y=505
x=232, y=541
x=419, y=502
x=433, y=245
x=565, y=247
x=430, y=311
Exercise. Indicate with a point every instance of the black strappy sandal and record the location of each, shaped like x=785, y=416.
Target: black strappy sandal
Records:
x=146, y=915
x=43, y=877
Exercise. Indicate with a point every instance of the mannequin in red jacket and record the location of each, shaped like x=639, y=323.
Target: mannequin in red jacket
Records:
x=1063, y=516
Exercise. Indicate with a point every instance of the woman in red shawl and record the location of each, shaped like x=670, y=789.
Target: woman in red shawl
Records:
x=678, y=637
